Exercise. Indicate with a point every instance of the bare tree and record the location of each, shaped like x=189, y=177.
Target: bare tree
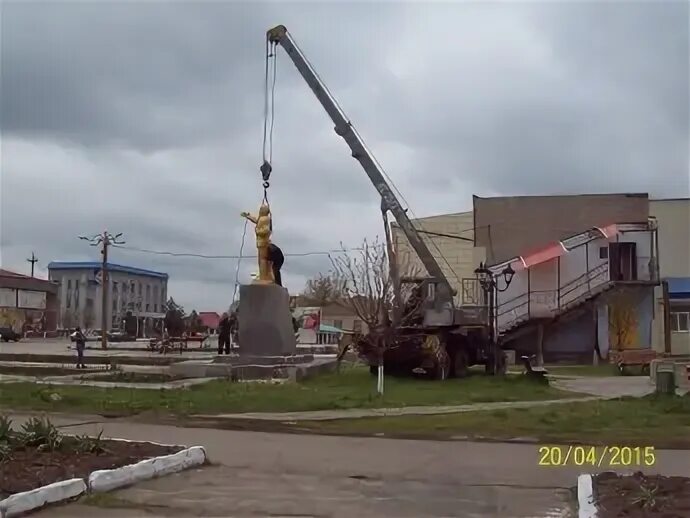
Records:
x=368, y=289
x=323, y=289
x=623, y=320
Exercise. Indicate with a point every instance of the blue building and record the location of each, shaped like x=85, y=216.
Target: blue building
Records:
x=140, y=292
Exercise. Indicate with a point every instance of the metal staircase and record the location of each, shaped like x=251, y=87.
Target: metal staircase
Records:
x=534, y=305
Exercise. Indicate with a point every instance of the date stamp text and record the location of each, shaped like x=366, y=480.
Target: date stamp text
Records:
x=597, y=456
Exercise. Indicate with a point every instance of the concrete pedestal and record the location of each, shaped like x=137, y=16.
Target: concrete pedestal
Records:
x=265, y=321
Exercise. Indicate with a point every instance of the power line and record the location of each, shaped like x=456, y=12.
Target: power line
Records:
x=240, y=256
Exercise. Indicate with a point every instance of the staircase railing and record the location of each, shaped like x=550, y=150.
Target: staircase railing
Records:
x=549, y=303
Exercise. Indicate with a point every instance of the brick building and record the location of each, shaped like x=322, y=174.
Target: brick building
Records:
x=27, y=303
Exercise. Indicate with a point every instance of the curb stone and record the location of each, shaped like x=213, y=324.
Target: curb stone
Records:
x=105, y=480
x=20, y=503
x=585, y=496
x=102, y=480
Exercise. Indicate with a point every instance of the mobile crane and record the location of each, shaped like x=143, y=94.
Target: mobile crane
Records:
x=460, y=333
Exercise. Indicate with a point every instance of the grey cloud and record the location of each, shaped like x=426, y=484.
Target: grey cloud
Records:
x=146, y=118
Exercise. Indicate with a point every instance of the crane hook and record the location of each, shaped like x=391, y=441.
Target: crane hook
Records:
x=266, y=170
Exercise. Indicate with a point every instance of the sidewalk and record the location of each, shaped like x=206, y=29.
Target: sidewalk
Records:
x=354, y=413
x=269, y=474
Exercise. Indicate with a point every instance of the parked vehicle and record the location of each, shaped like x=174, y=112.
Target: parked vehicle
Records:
x=440, y=337
x=7, y=334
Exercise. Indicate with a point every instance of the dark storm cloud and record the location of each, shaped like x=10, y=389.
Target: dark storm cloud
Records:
x=147, y=76
x=146, y=118
x=599, y=94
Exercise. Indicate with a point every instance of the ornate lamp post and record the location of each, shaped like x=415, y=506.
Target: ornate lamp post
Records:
x=489, y=283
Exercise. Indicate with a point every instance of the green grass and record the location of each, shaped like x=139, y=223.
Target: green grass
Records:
x=352, y=388
x=653, y=420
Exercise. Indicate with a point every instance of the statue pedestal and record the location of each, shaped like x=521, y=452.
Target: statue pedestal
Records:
x=265, y=321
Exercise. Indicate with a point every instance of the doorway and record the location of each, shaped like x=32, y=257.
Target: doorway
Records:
x=623, y=261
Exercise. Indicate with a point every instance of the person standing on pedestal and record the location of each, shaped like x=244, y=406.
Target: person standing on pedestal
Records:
x=275, y=255
x=224, y=334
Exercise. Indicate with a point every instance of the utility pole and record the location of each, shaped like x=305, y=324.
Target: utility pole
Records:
x=105, y=240
x=33, y=261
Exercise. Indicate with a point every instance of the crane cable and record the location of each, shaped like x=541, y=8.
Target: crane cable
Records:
x=269, y=115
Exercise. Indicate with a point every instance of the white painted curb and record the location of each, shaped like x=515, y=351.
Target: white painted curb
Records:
x=585, y=497
x=22, y=502
x=108, y=479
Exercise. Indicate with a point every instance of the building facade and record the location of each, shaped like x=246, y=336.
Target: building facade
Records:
x=28, y=304
x=450, y=239
x=571, y=253
x=673, y=219
x=142, y=293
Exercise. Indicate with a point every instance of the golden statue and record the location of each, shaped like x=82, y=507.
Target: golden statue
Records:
x=263, y=240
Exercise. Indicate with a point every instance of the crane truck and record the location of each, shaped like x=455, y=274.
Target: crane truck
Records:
x=448, y=337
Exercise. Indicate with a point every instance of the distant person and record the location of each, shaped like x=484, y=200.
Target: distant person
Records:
x=224, y=334
x=275, y=255
x=80, y=341
x=235, y=328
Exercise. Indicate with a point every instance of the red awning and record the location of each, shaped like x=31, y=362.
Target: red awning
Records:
x=546, y=254
x=608, y=231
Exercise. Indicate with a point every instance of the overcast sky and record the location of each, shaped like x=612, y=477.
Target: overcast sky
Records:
x=146, y=119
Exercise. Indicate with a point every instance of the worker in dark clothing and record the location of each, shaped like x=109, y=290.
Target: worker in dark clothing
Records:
x=80, y=342
x=224, y=334
x=234, y=328
x=275, y=255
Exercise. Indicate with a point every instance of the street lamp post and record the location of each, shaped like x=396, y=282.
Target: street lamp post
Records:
x=489, y=283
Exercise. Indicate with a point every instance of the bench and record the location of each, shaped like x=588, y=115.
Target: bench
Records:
x=633, y=358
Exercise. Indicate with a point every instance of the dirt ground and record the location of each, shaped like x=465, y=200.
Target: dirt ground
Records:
x=29, y=468
x=642, y=496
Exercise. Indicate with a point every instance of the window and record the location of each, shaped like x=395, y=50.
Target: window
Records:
x=148, y=293
x=148, y=307
x=69, y=284
x=155, y=307
x=140, y=288
x=357, y=326
x=680, y=321
x=604, y=252
x=338, y=324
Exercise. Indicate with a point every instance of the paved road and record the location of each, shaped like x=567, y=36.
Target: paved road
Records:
x=266, y=474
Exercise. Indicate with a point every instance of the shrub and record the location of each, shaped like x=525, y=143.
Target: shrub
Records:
x=42, y=434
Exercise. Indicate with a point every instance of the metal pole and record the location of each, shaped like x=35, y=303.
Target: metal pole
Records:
x=104, y=288
x=33, y=261
x=105, y=240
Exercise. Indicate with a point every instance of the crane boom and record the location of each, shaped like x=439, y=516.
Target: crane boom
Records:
x=344, y=128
